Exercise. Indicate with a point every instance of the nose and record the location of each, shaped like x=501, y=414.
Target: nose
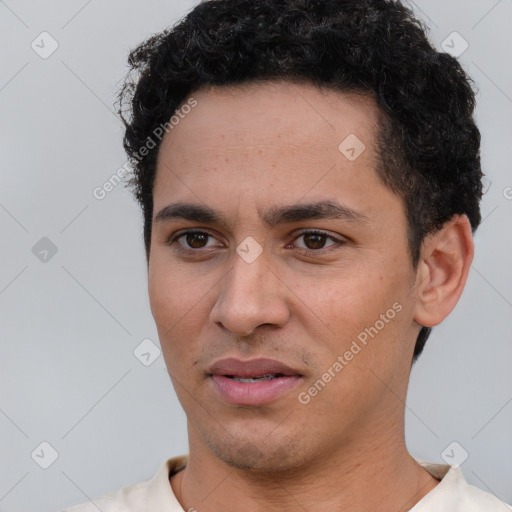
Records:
x=250, y=295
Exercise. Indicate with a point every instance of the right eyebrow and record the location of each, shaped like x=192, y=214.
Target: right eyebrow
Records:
x=191, y=212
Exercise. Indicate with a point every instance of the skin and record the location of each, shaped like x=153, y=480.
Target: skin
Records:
x=241, y=151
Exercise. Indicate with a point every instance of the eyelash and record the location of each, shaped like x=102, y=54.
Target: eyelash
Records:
x=306, y=252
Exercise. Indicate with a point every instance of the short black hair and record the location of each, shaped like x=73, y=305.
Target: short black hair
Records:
x=428, y=143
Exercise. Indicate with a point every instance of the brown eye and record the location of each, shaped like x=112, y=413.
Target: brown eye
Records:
x=314, y=241
x=196, y=240
x=193, y=241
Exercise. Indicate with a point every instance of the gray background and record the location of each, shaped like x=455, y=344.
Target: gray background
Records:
x=69, y=325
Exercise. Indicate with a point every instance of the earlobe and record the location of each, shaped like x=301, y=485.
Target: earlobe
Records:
x=443, y=268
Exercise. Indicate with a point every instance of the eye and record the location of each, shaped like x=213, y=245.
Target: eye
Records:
x=193, y=240
x=314, y=241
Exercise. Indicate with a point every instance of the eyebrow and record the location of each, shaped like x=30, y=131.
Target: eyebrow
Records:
x=328, y=210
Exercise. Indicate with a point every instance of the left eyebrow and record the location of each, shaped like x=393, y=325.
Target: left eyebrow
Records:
x=329, y=210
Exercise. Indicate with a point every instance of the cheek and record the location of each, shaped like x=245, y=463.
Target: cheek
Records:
x=180, y=310
x=161, y=298
x=369, y=308
x=353, y=299
x=170, y=299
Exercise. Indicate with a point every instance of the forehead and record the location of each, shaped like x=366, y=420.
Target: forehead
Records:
x=257, y=111
x=261, y=142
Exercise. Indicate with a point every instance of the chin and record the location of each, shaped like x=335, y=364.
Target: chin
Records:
x=265, y=457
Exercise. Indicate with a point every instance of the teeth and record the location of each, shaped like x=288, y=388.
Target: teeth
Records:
x=255, y=379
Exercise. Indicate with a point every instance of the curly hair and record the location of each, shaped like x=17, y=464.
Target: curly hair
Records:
x=428, y=143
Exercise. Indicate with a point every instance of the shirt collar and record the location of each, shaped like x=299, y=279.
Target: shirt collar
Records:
x=448, y=495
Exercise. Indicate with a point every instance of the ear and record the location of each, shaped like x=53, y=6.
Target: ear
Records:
x=443, y=268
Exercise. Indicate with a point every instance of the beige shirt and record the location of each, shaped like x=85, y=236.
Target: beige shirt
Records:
x=452, y=494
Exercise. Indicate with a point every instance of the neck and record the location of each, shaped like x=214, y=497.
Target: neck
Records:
x=374, y=474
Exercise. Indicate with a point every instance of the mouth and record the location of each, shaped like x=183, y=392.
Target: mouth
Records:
x=259, y=378
x=254, y=382
x=251, y=369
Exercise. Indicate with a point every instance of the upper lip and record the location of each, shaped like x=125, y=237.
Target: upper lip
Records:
x=250, y=368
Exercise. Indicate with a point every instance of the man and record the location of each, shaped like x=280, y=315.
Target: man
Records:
x=310, y=179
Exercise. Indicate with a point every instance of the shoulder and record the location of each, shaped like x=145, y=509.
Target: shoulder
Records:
x=476, y=500
x=147, y=496
x=455, y=494
x=127, y=499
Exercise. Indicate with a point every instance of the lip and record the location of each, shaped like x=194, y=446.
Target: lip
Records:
x=252, y=393
x=250, y=368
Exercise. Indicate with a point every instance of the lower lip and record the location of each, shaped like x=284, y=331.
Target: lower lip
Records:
x=253, y=393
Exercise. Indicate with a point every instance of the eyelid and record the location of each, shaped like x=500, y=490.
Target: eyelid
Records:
x=316, y=231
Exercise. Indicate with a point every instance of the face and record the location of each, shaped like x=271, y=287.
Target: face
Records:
x=280, y=278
